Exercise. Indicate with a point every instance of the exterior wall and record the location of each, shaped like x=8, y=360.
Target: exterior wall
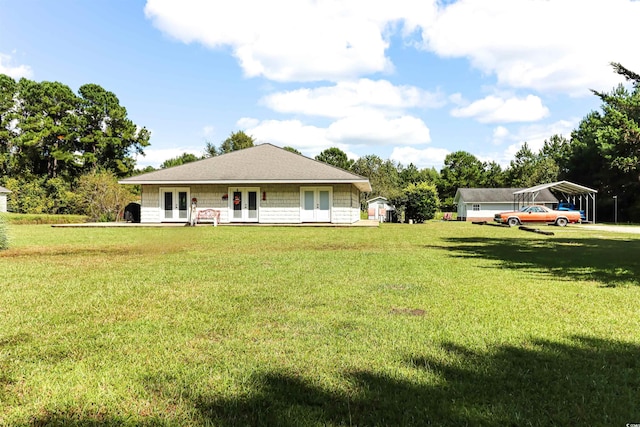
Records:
x=343, y=204
x=3, y=202
x=487, y=210
x=281, y=204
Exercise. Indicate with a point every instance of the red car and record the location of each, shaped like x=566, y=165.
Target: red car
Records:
x=537, y=213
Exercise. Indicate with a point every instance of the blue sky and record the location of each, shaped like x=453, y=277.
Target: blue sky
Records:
x=409, y=80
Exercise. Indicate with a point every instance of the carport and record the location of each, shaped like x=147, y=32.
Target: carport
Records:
x=582, y=197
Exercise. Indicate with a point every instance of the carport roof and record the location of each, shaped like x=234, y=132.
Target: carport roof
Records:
x=565, y=187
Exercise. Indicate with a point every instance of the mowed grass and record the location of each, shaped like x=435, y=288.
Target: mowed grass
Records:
x=442, y=323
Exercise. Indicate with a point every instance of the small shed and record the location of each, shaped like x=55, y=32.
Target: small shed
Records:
x=3, y=199
x=380, y=209
x=481, y=204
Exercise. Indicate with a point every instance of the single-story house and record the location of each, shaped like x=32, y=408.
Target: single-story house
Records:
x=3, y=199
x=481, y=204
x=380, y=209
x=261, y=184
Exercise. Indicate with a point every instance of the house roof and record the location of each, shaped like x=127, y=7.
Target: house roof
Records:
x=498, y=195
x=4, y=190
x=263, y=163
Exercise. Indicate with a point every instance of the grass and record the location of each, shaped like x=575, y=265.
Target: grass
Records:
x=15, y=218
x=444, y=323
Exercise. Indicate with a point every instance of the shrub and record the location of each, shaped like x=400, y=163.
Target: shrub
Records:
x=101, y=197
x=420, y=201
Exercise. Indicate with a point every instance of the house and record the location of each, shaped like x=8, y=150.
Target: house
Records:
x=3, y=199
x=481, y=204
x=262, y=184
x=379, y=209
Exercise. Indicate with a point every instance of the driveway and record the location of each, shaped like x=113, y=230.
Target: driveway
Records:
x=613, y=228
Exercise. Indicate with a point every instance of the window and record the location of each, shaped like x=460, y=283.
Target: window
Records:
x=475, y=207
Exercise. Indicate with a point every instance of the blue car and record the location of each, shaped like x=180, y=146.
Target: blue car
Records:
x=566, y=206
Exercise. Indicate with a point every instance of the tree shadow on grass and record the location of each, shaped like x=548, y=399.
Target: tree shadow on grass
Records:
x=610, y=262
x=585, y=381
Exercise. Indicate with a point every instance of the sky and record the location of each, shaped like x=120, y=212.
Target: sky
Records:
x=407, y=80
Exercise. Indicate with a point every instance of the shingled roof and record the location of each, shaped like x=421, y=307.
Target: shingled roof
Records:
x=4, y=190
x=263, y=163
x=498, y=195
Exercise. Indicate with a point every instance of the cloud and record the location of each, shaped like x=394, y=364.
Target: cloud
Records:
x=421, y=158
x=493, y=109
x=14, y=71
x=367, y=130
x=349, y=97
x=556, y=46
x=533, y=135
x=375, y=129
x=294, y=40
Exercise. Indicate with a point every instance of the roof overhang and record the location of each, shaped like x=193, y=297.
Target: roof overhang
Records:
x=362, y=185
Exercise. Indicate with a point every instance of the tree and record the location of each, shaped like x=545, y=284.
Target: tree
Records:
x=461, y=170
x=293, y=150
x=107, y=137
x=236, y=141
x=529, y=169
x=382, y=174
x=46, y=122
x=101, y=197
x=335, y=157
x=420, y=201
x=180, y=160
x=605, y=149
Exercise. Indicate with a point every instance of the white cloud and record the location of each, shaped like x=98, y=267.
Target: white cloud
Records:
x=533, y=135
x=349, y=97
x=14, y=71
x=560, y=45
x=294, y=40
x=373, y=128
x=421, y=158
x=208, y=130
x=367, y=129
x=500, y=132
x=493, y=109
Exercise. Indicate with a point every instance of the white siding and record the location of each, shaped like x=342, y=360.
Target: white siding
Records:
x=278, y=204
x=3, y=202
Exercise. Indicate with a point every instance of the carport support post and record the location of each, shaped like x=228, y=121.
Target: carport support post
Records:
x=615, y=209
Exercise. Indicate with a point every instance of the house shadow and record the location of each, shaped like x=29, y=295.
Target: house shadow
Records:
x=607, y=261
x=583, y=381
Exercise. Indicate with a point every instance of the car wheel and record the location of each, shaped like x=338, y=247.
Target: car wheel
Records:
x=513, y=222
x=561, y=222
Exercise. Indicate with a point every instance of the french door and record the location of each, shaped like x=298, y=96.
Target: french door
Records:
x=315, y=204
x=174, y=204
x=244, y=204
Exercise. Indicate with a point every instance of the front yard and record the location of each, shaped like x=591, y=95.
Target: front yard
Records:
x=444, y=323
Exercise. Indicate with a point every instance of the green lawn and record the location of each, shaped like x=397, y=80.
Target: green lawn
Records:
x=444, y=323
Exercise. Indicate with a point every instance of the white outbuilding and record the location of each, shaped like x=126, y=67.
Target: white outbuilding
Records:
x=3, y=199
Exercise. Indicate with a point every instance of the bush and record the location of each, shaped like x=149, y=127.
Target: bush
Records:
x=101, y=197
x=420, y=201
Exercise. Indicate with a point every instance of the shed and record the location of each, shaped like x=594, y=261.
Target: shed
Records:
x=380, y=209
x=481, y=204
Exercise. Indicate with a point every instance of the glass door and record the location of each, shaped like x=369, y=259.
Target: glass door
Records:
x=315, y=204
x=174, y=204
x=244, y=204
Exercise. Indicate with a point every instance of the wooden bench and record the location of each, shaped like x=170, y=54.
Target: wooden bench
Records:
x=206, y=215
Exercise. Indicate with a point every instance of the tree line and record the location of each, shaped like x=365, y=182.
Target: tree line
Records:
x=59, y=149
